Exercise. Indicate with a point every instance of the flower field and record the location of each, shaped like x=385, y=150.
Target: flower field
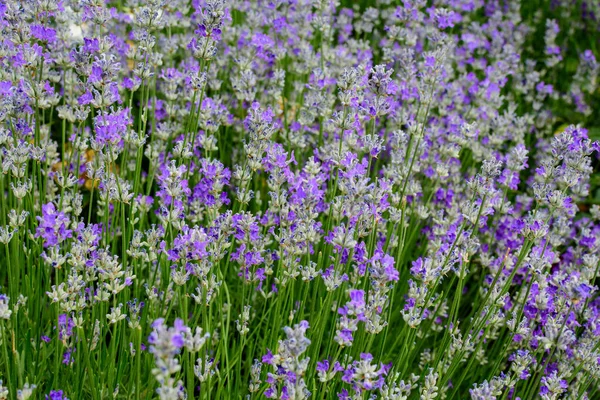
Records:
x=294, y=199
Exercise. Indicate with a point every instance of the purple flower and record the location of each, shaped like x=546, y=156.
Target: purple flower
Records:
x=111, y=127
x=357, y=299
x=53, y=226
x=323, y=366
x=85, y=98
x=91, y=45
x=268, y=358
x=56, y=395
x=43, y=33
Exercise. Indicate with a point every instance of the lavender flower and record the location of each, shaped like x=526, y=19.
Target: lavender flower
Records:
x=413, y=180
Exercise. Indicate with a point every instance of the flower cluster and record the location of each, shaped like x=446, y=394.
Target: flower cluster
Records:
x=187, y=186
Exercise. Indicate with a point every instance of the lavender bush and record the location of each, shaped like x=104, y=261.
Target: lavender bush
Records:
x=295, y=199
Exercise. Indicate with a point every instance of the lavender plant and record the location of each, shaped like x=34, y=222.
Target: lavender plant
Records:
x=296, y=199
